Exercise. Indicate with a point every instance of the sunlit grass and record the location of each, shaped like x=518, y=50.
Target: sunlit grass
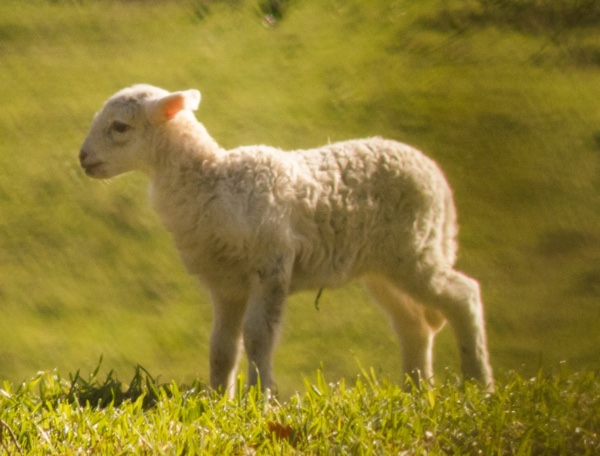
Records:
x=546, y=414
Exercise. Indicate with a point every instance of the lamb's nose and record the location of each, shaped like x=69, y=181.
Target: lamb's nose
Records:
x=82, y=155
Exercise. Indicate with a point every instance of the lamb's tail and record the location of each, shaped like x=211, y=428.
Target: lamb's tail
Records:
x=450, y=228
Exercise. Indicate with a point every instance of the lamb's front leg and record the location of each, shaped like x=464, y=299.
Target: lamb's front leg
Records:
x=225, y=341
x=262, y=322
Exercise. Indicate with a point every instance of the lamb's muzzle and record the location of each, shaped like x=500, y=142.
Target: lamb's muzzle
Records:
x=91, y=168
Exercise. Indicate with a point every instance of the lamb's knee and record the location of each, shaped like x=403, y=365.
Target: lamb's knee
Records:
x=456, y=297
x=260, y=335
x=264, y=313
x=451, y=294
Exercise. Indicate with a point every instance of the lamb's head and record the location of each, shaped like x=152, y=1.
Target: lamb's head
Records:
x=122, y=133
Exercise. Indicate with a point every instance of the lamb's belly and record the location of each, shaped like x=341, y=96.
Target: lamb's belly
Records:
x=323, y=277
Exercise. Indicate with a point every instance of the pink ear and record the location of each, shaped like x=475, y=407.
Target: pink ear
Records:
x=169, y=106
x=173, y=105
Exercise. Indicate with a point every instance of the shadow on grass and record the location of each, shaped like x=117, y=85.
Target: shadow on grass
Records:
x=94, y=392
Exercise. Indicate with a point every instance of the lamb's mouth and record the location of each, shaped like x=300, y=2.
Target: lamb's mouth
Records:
x=91, y=168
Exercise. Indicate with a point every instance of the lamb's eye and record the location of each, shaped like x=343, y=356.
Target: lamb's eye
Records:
x=120, y=127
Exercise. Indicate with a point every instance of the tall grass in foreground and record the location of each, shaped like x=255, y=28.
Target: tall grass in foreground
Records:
x=557, y=414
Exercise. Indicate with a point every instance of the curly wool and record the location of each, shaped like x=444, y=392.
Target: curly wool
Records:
x=340, y=211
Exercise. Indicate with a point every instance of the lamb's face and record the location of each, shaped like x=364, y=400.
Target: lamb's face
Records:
x=122, y=133
x=115, y=141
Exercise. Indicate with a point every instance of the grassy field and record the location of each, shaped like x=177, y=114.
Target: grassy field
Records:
x=541, y=415
x=504, y=97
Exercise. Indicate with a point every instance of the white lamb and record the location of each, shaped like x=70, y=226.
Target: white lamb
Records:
x=256, y=224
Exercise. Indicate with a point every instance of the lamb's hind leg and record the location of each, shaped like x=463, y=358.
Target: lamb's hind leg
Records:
x=414, y=324
x=458, y=298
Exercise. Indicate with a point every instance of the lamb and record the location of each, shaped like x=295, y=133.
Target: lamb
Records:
x=256, y=224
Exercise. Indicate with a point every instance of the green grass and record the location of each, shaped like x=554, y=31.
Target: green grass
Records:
x=558, y=414
x=507, y=107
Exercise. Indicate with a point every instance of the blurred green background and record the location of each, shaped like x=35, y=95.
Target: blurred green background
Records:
x=504, y=94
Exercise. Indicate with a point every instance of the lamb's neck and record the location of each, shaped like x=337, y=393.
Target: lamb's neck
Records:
x=184, y=143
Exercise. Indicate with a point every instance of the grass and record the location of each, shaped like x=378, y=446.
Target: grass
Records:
x=556, y=414
x=507, y=106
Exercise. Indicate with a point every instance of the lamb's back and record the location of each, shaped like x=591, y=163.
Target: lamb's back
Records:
x=336, y=209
